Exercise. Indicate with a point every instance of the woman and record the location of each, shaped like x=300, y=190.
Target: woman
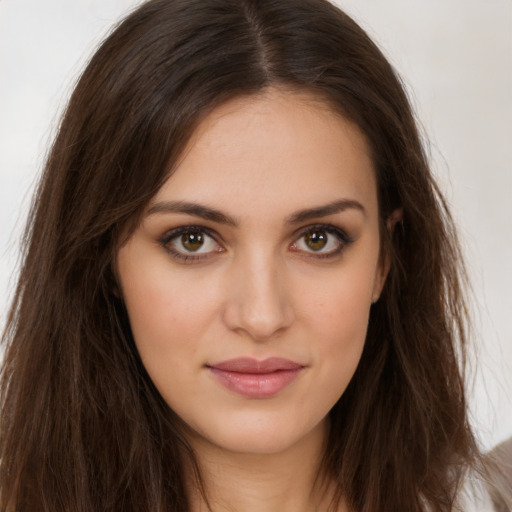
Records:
x=241, y=286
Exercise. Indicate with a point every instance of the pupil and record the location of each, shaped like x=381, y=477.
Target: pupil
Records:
x=192, y=240
x=316, y=240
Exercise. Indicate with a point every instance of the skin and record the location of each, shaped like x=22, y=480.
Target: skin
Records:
x=257, y=287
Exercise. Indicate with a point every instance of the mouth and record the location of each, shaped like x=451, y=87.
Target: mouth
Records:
x=256, y=379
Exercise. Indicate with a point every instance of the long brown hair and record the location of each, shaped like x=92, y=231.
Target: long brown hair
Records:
x=82, y=427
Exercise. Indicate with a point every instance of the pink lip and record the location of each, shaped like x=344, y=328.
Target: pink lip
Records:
x=256, y=379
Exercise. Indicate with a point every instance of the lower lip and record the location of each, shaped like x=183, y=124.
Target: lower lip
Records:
x=256, y=385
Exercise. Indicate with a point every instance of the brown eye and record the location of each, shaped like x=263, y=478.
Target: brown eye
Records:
x=321, y=241
x=316, y=240
x=192, y=240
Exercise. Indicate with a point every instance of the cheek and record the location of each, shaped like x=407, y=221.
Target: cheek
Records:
x=339, y=305
x=337, y=314
x=169, y=322
x=168, y=313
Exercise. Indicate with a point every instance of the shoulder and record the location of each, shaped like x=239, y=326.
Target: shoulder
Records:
x=491, y=491
x=500, y=476
x=474, y=497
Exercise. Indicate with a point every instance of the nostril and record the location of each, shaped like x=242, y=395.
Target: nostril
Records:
x=259, y=315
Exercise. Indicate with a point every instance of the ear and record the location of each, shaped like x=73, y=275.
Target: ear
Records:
x=116, y=291
x=115, y=285
x=385, y=258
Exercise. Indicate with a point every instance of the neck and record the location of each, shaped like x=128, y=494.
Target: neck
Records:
x=287, y=481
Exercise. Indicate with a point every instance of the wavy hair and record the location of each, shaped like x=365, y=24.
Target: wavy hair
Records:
x=82, y=427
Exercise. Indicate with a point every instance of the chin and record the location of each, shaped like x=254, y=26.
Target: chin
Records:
x=259, y=436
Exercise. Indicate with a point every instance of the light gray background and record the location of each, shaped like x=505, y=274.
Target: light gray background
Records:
x=455, y=57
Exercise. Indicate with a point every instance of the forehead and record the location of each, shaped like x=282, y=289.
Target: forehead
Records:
x=273, y=149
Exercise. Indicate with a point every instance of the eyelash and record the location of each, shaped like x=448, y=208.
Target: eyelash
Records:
x=165, y=241
x=343, y=237
x=176, y=233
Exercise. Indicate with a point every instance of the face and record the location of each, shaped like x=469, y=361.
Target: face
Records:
x=249, y=281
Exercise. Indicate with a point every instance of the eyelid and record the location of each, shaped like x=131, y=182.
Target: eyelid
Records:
x=344, y=241
x=342, y=235
x=172, y=234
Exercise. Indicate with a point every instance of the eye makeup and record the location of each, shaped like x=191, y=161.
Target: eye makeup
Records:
x=321, y=241
x=188, y=244
x=195, y=243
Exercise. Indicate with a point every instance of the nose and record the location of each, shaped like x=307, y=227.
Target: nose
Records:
x=258, y=302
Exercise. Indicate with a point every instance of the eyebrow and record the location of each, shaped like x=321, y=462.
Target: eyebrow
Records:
x=214, y=215
x=325, y=210
x=195, y=209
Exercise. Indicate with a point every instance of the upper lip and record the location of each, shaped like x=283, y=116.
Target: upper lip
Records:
x=249, y=365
